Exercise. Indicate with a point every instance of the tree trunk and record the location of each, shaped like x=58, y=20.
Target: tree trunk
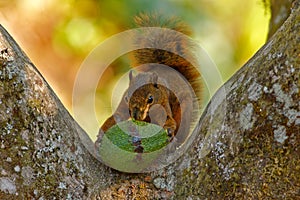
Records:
x=248, y=145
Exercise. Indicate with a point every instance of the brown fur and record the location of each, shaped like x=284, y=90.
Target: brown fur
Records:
x=135, y=102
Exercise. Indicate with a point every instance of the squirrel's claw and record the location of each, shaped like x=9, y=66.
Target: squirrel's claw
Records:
x=170, y=127
x=171, y=133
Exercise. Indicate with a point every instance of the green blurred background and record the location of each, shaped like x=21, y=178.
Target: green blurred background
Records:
x=58, y=34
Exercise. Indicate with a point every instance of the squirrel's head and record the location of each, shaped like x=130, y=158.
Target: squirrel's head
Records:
x=144, y=92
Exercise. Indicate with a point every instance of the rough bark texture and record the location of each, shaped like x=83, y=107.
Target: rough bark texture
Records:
x=250, y=130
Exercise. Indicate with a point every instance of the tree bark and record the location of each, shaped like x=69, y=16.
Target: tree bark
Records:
x=248, y=145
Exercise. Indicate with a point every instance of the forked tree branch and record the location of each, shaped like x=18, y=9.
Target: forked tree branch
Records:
x=248, y=144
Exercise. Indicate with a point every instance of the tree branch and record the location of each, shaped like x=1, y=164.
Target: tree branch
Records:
x=248, y=144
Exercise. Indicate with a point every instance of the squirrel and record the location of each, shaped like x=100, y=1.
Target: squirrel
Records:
x=161, y=92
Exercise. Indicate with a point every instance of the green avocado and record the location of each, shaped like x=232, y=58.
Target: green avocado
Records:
x=131, y=146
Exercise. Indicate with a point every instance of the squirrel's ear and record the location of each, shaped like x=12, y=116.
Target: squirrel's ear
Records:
x=126, y=98
x=130, y=75
x=154, y=79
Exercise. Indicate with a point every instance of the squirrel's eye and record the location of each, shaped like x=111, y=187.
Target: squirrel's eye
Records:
x=150, y=99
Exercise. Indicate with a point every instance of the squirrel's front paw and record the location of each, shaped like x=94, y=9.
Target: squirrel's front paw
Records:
x=170, y=128
x=171, y=132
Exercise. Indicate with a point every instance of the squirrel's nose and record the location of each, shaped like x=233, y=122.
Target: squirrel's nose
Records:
x=137, y=114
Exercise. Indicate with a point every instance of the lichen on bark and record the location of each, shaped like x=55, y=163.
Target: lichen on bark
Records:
x=257, y=153
x=36, y=159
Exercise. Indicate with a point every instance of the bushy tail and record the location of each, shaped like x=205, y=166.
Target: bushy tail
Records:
x=178, y=47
